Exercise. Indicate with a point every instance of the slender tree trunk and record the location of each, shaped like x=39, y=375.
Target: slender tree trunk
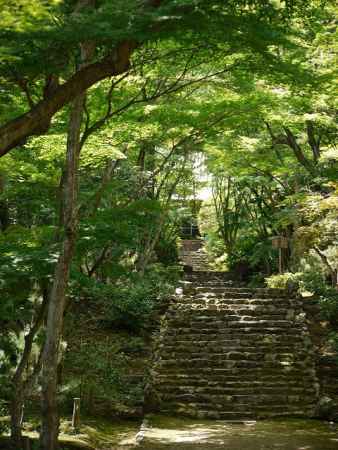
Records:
x=57, y=302
x=20, y=384
x=150, y=245
x=4, y=213
x=16, y=408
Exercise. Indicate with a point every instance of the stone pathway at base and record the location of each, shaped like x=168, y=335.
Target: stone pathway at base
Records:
x=183, y=434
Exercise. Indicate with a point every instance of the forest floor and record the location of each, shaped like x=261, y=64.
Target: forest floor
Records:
x=160, y=433
x=167, y=433
x=93, y=434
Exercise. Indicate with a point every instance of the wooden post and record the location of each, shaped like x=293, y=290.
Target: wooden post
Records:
x=22, y=415
x=76, y=414
x=280, y=260
x=280, y=243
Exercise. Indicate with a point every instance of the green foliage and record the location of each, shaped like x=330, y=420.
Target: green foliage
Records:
x=284, y=280
x=9, y=350
x=166, y=251
x=26, y=264
x=4, y=427
x=109, y=362
x=311, y=281
x=132, y=301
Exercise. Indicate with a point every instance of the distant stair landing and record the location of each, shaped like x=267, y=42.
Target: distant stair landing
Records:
x=193, y=255
x=233, y=354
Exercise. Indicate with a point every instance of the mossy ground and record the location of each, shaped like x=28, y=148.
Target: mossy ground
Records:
x=94, y=433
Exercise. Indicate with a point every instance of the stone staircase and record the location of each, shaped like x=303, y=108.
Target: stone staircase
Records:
x=192, y=254
x=233, y=353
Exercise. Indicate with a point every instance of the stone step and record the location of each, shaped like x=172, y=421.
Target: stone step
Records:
x=225, y=321
x=257, y=304
x=230, y=364
x=273, y=367
x=235, y=353
x=263, y=344
x=235, y=301
x=281, y=388
x=234, y=333
x=233, y=382
x=243, y=290
x=223, y=341
x=227, y=387
x=234, y=356
x=194, y=351
x=234, y=311
x=230, y=328
x=236, y=322
x=245, y=409
x=209, y=338
x=211, y=415
x=238, y=400
x=226, y=375
x=223, y=329
x=231, y=320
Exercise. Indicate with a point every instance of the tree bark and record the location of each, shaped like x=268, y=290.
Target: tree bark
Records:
x=289, y=139
x=298, y=152
x=50, y=419
x=145, y=257
x=313, y=141
x=68, y=220
x=20, y=386
x=4, y=212
x=16, y=408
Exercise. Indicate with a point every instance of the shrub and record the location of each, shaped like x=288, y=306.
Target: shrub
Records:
x=113, y=361
x=4, y=427
x=310, y=281
x=284, y=280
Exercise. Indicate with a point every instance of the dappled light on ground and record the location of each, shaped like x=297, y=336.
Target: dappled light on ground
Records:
x=161, y=433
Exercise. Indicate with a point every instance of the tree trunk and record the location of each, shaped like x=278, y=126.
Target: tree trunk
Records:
x=57, y=300
x=145, y=256
x=50, y=419
x=4, y=212
x=20, y=385
x=16, y=408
